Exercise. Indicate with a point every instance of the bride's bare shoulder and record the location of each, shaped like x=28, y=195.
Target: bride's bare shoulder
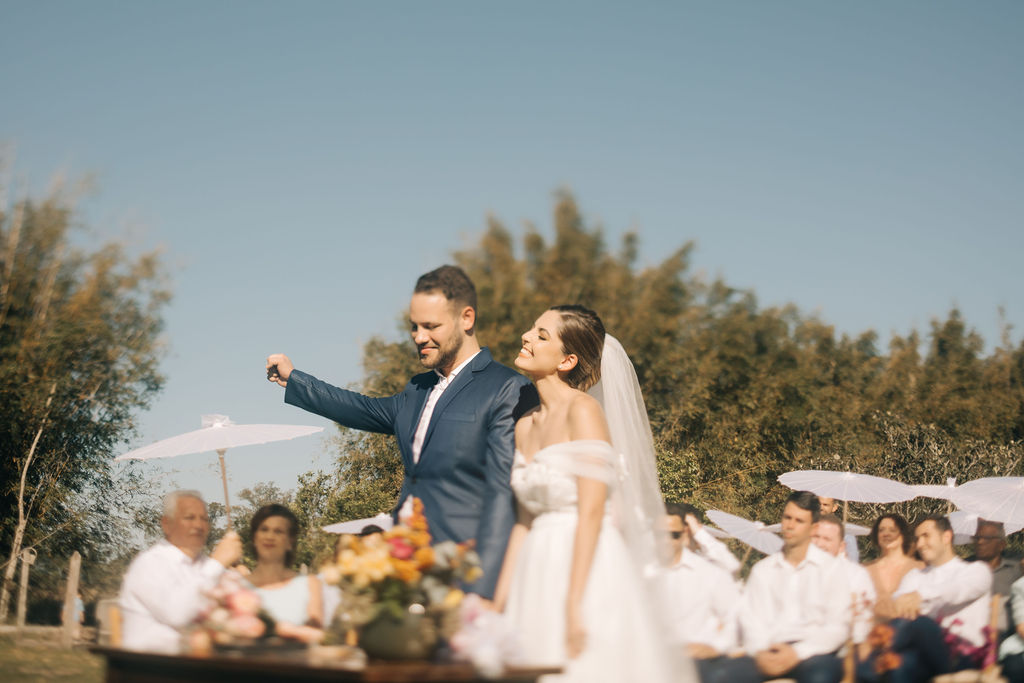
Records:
x=586, y=418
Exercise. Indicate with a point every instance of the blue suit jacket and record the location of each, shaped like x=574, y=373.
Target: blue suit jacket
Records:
x=465, y=467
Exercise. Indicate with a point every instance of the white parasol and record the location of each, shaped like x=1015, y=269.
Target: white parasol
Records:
x=753, y=534
x=965, y=526
x=943, y=492
x=999, y=499
x=851, y=529
x=860, y=488
x=219, y=433
x=847, y=486
x=383, y=520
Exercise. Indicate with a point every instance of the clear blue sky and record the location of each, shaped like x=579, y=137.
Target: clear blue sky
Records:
x=301, y=163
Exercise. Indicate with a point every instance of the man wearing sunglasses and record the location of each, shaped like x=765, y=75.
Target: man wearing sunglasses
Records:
x=702, y=598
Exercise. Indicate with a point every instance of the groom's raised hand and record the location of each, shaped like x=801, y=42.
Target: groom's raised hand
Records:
x=279, y=368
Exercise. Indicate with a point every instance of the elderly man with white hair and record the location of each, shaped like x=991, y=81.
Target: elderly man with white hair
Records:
x=163, y=588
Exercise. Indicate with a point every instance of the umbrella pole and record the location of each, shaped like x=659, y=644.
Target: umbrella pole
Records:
x=844, y=513
x=224, y=480
x=746, y=555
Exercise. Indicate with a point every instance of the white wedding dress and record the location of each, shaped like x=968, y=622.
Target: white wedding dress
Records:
x=623, y=640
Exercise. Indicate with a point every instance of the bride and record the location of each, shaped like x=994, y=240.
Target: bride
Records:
x=571, y=584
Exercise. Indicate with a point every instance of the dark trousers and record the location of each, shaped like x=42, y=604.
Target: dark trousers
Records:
x=1013, y=668
x=922, y=651
x=816, y=669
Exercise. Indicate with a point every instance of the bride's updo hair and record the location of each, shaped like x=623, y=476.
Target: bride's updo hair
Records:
x=582, y=334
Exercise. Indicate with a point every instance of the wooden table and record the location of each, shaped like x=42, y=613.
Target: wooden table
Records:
x=125, y=666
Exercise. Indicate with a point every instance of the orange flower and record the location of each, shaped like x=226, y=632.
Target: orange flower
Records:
x=420, y=539
x=880, y=636
x=887, y=661
x=424, y=557
x=406, y=571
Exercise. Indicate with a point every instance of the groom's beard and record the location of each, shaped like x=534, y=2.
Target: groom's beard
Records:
x=446, y=353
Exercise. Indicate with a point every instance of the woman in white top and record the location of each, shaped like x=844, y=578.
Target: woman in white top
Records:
x=292, y=600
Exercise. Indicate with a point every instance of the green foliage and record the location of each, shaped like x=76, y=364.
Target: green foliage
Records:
x=737, y=394
x=79, y=350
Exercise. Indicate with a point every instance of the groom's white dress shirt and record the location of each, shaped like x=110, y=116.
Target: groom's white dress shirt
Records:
x=702, y=602
x=162, y=592
x=956, y=594
x=806, y=606
x=428, y=408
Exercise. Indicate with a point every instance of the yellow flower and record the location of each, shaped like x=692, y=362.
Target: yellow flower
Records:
x=377, y=565
x=348, y=562
x=453, y=599
x=473, y=574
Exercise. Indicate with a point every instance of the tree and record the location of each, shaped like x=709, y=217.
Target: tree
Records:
x=737, y=393
x=79, y=348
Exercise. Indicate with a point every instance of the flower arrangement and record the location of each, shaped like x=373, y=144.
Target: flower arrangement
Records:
x=397, y=576
x=231, y=617
x=880, y=639
x=981, y=656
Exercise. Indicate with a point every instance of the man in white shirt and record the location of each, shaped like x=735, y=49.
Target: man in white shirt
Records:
x=794, y=612
x=163, y=588
x=795, y=609
x=938, y=613
x=828, y=535
x=700, y=541
x=701, y=598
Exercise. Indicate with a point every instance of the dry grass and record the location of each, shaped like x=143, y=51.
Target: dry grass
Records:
x=41, y=661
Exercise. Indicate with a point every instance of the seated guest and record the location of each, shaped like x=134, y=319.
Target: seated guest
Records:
x=703, y=543
x=794, y=614
x=291, y=600
x=828, y=535
x=701, y=598
x=894, y=541
x=828, y=505
x=989, y=544
x=162, y=590
x=1011, y=650
x=940, y=612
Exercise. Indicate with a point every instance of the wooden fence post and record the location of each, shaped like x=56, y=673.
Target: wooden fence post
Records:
x=69, y=617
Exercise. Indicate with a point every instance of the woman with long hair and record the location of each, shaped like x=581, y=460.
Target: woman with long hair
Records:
x=892, y=536
x=586, y=485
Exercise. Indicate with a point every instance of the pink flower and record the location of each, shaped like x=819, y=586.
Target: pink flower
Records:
x=401, y=549
x=247, y=626
x=243, y=603
x=219, y=616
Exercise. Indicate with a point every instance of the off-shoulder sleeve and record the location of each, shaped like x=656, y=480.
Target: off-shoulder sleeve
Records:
x=586, y=458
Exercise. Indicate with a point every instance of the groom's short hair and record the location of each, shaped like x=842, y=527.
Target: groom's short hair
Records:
x=451, y=281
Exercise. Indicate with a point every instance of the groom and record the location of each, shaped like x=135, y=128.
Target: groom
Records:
x=454, y=424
